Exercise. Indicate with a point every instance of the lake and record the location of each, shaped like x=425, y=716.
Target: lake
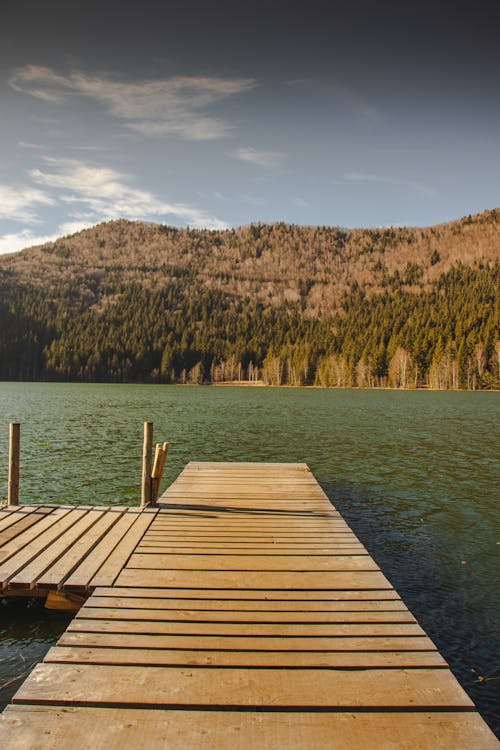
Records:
x=415, y=473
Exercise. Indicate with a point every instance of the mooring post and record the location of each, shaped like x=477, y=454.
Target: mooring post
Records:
x=157, y=472
x=14, y=454
x=147, y=452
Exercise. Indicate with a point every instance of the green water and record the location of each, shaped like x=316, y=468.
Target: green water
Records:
x=414, y=473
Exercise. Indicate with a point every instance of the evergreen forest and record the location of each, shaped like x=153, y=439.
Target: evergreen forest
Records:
x=278, y=304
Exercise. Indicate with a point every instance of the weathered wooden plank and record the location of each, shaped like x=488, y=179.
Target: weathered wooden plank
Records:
x=81, y=577
x=158, y=539
x=173, y=537
x=56, y=575
x=228, y=563
x=298, y=497
x=6, y=513
x=295, y=526
x=278, y=467
x=20, y=541
x=19, y=522
x=254, y=659
x=84, y=684
x=223, y=479
x=188, y=615
x=269, y=550
x=253, y=595
x=245, y=605
x=243, y=643
x=254, y=580
x=41, y=728
x=267, y=630
x=111, y=568
x=30, y=574
x=49, y=527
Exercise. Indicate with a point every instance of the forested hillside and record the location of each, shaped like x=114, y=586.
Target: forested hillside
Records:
x=127, y=301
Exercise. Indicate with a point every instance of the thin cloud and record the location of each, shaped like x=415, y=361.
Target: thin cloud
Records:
x=24, y=144
x=366, y=177
x=265, y=159
x=107, y=194
x=19, y=203
x=155, y=107
x=11, y=243
x=89, y=148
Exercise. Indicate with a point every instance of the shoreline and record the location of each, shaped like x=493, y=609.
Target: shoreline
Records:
x=258, y=384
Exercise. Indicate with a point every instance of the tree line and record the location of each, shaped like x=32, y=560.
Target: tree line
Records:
x=444, y=337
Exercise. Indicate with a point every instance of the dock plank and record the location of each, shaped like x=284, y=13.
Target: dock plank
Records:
x=171, y=615
x=30, y=574
x=42, y=728
x=18, y=554
x=109, y=571
x=85, y=572
x=265, y=580
x=227, y=562
x=277, y=630
x=82, y=684
x=258, y=595
x=15, y=522
x=234, y=605
x=243, y=643
x=255, y=659
x=60, y=570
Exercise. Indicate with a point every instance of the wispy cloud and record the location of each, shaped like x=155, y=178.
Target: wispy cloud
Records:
x=24, y=144
x=367, y=177
x=90, y=148
x=256, y=156
x=155, y=107
x=108, y=194
x=10, y=243
x=19, y=203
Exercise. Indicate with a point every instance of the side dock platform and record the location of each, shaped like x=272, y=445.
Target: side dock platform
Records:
x=239, y=612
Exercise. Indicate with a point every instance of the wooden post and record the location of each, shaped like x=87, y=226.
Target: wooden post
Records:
x=163, y=458
x=147, y=451
x=157, y=473
x=14, y=453
x=154, y=473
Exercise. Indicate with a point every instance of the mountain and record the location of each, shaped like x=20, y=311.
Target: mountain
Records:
x=134, y=301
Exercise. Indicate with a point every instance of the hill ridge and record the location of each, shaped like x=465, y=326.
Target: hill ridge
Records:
x=133, y=301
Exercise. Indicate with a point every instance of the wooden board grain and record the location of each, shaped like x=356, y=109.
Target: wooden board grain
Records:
x=42, y=728
x=254, y=659
x=264, y=580
x=244, y=643
x=80, y=578
x=17, y=554
x=76, y=553
x=257, y=595
x=99, y=600
x=187, y=615
x=285, y=563
x=83, y=684
x=67, y=539
x=107, y=574
x=13, y=523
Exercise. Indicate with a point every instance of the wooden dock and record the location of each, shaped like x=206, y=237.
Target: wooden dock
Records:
x=241, y=612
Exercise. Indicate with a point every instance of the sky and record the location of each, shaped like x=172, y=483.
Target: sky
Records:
x=220, y=113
